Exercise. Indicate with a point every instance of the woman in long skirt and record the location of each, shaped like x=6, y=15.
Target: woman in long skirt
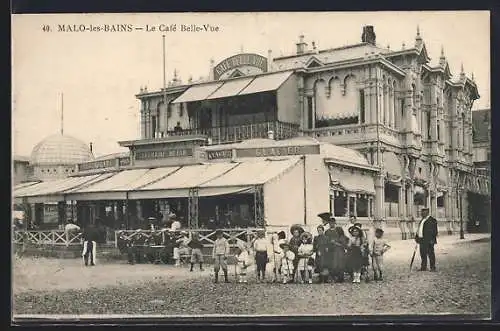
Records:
x=324, y=256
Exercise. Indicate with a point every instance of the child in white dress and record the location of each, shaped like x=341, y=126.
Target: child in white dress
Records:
x=243, y=261
x=305, y=253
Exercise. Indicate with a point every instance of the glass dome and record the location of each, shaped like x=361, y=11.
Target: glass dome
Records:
x=60, y=149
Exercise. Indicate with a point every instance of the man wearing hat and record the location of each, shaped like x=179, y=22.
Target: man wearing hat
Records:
x=325, y=220
x=426, y=238
x=219, y=254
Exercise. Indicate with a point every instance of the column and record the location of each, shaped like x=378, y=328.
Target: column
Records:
x=386, y=106
x=433, y=202
x=368, y=108
x=401, y=209
x=332, y=203
x=409, y=196
x=355, y=209
x=61, y=213
x=119, y=213
x=139, y=211
x=392, y=122
x=379, y=196
x=348, y=204
x=401, y=200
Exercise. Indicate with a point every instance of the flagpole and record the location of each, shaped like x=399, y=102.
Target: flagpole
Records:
x=165, y=87
x=62, y=113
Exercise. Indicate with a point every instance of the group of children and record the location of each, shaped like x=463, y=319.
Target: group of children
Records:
x=331, y=254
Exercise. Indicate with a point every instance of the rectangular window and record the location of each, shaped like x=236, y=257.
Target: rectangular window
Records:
x=362, y=106
x=362, y=207
x=181, y=109
x=153, y=126
x=402, y=102
x=438, y=132
x=488, y=156
x=310, y=114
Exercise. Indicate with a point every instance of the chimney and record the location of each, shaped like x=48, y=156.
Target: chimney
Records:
x=315, y=49
x=368, y=35
x=90, y=146
x=301, y=45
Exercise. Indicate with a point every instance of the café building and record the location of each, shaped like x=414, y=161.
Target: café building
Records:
x=359, y=129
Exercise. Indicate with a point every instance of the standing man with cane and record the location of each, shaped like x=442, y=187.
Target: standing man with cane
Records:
x=426, y=238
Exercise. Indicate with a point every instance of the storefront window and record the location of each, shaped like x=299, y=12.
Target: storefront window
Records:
x=362, y=206
x=352, y=206
x=340, y=204
x=391, y=201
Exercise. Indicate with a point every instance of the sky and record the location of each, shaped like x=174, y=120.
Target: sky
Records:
x=100, y=72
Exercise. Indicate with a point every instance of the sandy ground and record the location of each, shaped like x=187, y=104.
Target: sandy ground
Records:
x=461, y=285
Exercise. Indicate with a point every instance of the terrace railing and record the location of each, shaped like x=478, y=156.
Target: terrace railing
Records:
x=47, y=237
x=206, y=236
x=229, y=134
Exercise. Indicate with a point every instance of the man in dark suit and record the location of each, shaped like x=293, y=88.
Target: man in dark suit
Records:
x=426, y=238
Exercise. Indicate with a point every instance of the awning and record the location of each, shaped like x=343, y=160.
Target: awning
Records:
x=54, y=190
x=353, y=182
x=22, y=185
x=198, y=92
x=230, y=88
x=266, y=83
x=244, y=177
x=392, y=166
x=112, y=188
x=178, y=183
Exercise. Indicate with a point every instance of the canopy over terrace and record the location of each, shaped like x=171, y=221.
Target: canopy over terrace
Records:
x=234, y=87
x=54, y=191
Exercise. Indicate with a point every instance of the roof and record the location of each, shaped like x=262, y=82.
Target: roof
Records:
x=111, y=156
x=20, y=158
x=481, y=121
x=60, y=149
x=328, y=55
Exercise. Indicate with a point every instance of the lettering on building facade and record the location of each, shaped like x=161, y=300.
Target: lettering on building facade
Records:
x=219, y=155
x=154, y=155
x=253, y=60
x=97, y=165
x=278, y=151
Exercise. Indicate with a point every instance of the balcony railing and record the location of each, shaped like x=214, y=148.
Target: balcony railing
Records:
x=229, y=134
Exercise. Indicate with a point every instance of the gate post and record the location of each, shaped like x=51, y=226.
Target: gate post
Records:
x=259, y=206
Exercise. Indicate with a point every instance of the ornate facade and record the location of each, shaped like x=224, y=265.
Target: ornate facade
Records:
x=409, y=117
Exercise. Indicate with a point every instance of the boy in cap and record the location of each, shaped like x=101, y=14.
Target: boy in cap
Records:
x=378, y=248
x=287, y=264
x=261, y=247
x=196, y=254
x=219, y=254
